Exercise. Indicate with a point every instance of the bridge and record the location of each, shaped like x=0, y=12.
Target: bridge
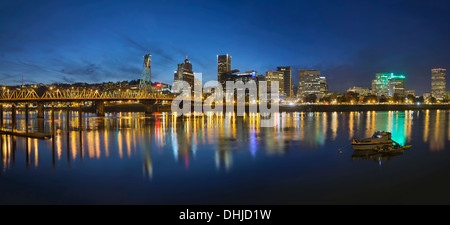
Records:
x=29, y=95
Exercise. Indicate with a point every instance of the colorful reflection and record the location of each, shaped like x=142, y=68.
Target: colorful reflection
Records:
x=132, y=135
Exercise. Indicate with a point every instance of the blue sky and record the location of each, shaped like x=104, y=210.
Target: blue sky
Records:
x=348, y=41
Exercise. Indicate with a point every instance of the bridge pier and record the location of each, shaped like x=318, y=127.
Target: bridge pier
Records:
x=68, y=118
x=80, y=116
x=40, y=110
x=100, y=108
x=1, y=116
x=26, y=118
x=13, y=116
x=150, y=107
x=53, y=120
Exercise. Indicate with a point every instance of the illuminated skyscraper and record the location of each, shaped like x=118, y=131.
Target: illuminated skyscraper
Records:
x=276, y=76
x=388, y=84
x=223, y=66
x=308, y=82
x=287, y=79
x=184, y=73
x=397, y=86
x=323, y=86
x=438, y=82
x=380, y=86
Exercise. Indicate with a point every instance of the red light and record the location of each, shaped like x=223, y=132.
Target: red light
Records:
x=158, y=85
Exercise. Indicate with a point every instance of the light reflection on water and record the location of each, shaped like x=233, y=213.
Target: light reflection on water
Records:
x=164, y=141
x=126, y=134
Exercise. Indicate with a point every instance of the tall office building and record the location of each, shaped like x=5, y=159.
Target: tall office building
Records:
x=223, y=66
x=308, y=82
x=323, y=86
x=388, y=84
x=438, y=82
x=184, y=73
x=287, y=79
x=396, y=86
x=380, y=86
x=272, y=76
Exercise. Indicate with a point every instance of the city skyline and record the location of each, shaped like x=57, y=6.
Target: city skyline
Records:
x=76, y=42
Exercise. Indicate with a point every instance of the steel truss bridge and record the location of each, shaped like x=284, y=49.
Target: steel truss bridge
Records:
x=78, y=94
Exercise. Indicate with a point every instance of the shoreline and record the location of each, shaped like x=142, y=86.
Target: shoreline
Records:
x=284, y=108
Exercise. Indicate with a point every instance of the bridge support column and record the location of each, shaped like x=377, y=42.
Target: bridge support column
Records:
x=68, y=118
x=53, y=120
x=40, y=110
x=26, y=118
x=1, y=115
x=100, y=108
x=13, y=116
x=150, y=107
x=80, y=116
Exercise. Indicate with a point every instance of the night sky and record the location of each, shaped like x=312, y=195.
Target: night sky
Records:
x=98, y=41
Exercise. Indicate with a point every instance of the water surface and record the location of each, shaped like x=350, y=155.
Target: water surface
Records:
x=127, y=158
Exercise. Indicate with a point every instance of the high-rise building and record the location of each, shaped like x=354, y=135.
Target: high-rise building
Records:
x=287, y=79
x=184, y=73
x=397, y=86
x=380, y=86
x=323, y=86
x=275, y=76
x=308, y=82
x=223, y=66
x=438, y=82
x=388, y=84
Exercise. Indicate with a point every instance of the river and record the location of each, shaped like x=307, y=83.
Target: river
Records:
x=306, y=158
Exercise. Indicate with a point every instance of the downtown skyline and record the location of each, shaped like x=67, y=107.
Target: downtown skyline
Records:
x=349, y=42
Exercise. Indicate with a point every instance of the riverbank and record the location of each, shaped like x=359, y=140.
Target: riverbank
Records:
x=283, y=108
x=304, y=108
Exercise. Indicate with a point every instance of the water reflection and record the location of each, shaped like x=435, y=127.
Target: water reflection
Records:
x=133, y=136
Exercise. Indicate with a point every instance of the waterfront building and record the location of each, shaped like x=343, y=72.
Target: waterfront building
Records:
x=388, y=84
x=184, y=73
x=287, y=80
x=362, y=91
x=396, y=86
x=308, y=82
x=438, y=82
x=223, y=67
x=410, y=92
x=380, y=85
x=323, y=86
x=278, y=76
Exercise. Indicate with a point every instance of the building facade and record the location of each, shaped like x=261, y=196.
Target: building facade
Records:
x=287, y=80
x=323, y=86
x=275, y=76
x=438, y=83
x=223, y=67
x=396, y=86
x=388, y=84
x=184, y=73
x=308, y=82
x=362, y=91
x=380, y=86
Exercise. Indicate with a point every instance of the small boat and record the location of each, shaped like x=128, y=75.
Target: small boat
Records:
x=392, y=149
x=379, y=139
